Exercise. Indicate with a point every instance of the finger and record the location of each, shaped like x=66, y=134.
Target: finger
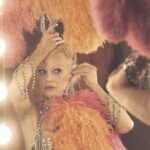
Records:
x=57, y=39
x=82, y=70
x=84, y=64
x=51, y=28
x=80, y=73
x=59, y=42
x=51, y=35
x=55, y=34
x=85, y=68
x=75, y=78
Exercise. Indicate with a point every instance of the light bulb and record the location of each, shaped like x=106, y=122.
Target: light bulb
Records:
x=5, y=134
x=1, y=2
x=2, y=46
x=3, y=91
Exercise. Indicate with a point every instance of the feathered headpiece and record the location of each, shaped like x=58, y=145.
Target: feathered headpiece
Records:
x=14, y=21
x=79, y=33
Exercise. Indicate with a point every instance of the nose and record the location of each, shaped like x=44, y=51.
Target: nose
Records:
x=49, y=78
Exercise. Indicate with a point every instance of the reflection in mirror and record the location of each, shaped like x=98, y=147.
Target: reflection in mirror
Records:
x=133, y=139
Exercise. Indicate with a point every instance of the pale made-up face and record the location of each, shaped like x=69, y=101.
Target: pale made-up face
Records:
x=54, y=75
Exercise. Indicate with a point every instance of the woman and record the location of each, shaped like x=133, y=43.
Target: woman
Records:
x=51, y=114
x=130, y=86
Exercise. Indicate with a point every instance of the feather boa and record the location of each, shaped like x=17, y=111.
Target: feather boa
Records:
x=82, y=124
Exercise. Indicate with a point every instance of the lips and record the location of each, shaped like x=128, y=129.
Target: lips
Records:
x=49, y=87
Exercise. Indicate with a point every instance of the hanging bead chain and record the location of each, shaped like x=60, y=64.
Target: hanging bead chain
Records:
x=33, y=75
x=24, y=87
x=42, y=24
x=46, y=20
x=41, y=143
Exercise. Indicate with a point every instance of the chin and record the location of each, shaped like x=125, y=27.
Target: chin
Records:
x=53, y=94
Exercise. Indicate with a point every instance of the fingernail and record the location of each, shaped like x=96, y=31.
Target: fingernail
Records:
x=74, y=66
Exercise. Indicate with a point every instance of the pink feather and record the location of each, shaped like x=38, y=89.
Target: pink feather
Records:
x=127, y=20
x=110, y=18
x=15, y=20
x=139, y=26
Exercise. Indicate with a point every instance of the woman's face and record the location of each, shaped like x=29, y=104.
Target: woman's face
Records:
x=54, y=75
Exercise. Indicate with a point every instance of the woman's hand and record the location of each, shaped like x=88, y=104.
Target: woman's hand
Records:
x=50, y=39
x=88, y=73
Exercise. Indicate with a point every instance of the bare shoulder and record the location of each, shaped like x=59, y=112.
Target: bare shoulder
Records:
x=20, y=104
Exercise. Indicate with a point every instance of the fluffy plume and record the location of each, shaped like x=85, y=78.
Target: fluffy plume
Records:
x=80, y=124
x=110, y=18
x=139, y=26
x=126, y=20
x=80, y=129
x=15, y=19
x=79, y=33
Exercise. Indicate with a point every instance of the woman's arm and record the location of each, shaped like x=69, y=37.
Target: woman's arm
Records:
x=136, y=101
x=88, y=73
x=123, y=121
x=19, y=86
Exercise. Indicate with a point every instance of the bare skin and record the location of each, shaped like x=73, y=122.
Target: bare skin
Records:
x=54, y=75
x=11, y=120
x=136, y=101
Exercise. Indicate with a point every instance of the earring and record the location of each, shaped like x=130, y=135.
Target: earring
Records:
x=71, y=89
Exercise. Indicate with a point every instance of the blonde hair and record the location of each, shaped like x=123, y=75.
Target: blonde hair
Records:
x=64, y=49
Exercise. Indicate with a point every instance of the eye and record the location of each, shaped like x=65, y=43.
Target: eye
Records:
x=57, y=71
x=42, y=71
